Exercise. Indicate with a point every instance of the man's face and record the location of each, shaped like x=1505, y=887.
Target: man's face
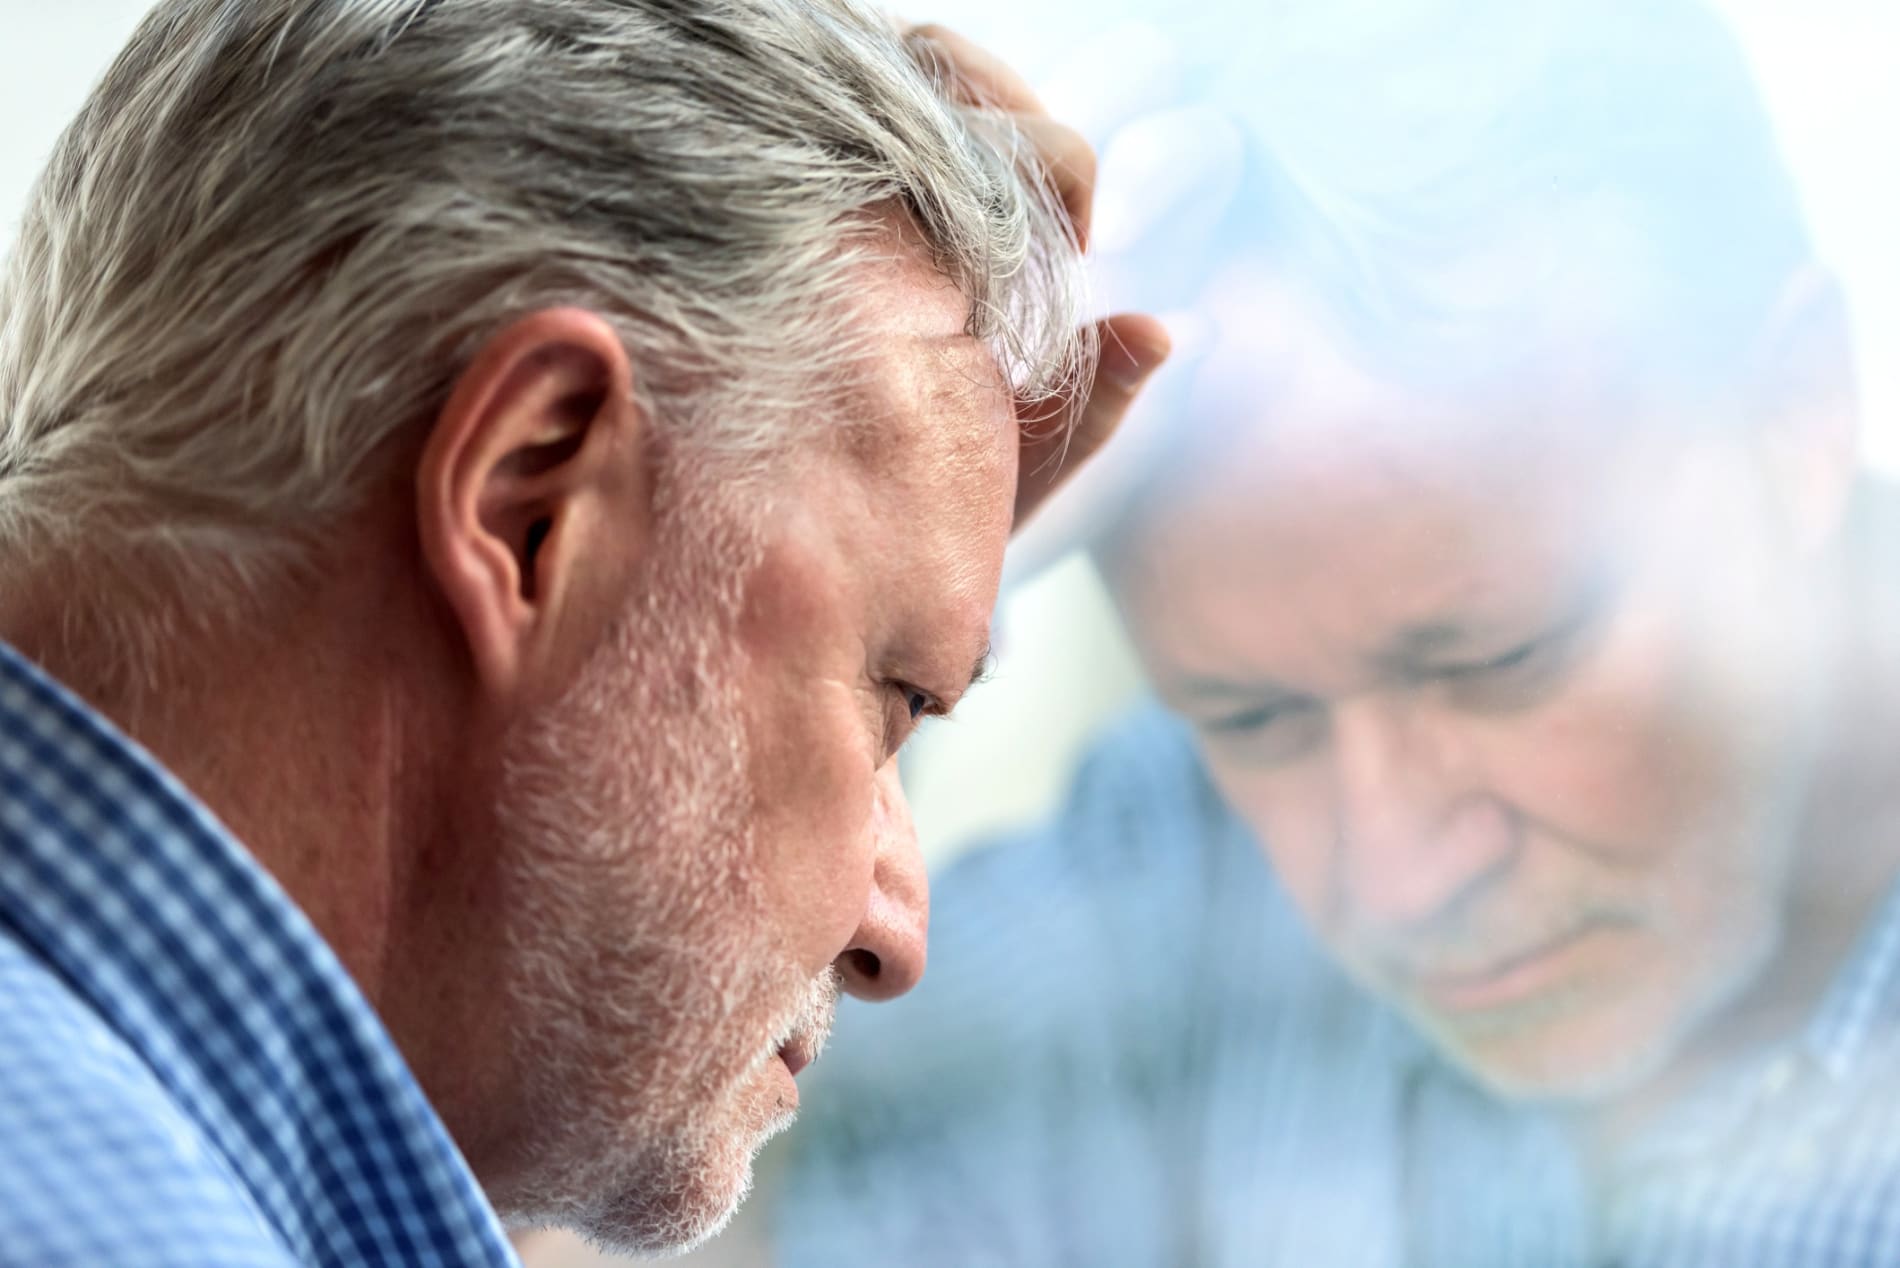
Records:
x=1516, y=693
x=708, y=831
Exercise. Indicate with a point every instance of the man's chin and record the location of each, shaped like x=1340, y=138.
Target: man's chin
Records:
x=672, y=1223
x=1580, y=1058
x=667, y=1204
x=1591, y=1046
x=643, y=1216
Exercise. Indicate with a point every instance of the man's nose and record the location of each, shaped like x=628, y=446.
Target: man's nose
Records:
x=886, y=956
x=1416, y=833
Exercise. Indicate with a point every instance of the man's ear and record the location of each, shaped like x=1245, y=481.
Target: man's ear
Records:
x=1808, y=399
x=532, y=492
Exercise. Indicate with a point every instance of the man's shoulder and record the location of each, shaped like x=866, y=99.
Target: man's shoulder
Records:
x=98, y=1164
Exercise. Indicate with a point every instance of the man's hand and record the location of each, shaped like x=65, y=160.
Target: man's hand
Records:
x=1133, y=345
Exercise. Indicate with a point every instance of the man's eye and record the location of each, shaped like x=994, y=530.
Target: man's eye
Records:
x=1511, y=679
x=914, y=704
x=1247, y=720
x=1513, y=659
x=1269, y=733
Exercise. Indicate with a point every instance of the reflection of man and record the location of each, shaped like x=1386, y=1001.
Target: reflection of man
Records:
x=1531, y=613
x=523, y=468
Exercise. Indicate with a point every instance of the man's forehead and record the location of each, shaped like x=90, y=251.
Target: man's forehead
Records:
x=1282, y=358
x=931, y=442
x=1368, y=468
x=922, y=363
x=1440, y=511
x=935, y=402
x=1323, y=431
x=1370, y=527
x=1402, y=573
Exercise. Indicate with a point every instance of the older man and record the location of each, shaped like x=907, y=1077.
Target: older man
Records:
x=486, y=488
x=1516, y=581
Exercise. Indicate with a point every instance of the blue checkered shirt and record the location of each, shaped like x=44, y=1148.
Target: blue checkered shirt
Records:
x=188, y=1077
x=1129, y=1054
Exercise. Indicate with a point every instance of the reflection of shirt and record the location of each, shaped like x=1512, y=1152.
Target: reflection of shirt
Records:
x=187, y=1075
x=1127, y=1052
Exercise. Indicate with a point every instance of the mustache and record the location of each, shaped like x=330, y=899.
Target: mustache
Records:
x=1476, y=949
x=809, y=1027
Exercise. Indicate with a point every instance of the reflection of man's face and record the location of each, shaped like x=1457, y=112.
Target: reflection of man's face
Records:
x=1515, y=694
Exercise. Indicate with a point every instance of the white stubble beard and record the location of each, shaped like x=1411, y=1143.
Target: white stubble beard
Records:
x=641, y=950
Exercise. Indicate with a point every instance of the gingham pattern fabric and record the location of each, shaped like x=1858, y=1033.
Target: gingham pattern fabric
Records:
x=1128, y=1054
x=187, y=1074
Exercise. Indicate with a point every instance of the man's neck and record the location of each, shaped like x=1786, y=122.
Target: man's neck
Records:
x=309, y=738
x=278, y=732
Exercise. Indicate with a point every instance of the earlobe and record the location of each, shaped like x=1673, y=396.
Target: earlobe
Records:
x=532, y=492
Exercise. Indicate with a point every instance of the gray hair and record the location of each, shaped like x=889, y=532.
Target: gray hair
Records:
x=279, y=228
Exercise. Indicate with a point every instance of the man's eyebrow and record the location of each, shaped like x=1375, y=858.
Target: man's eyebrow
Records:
x=979, y=672
x=1424, y=641
x=1205, y=688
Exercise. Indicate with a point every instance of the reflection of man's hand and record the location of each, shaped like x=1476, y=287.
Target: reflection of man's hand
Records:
x=1133, y=345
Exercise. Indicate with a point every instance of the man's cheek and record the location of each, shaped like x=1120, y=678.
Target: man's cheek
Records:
x=818, y=807
x=891, y=825
x=1634, y=750
x=1621, y=772
x=1293, y=825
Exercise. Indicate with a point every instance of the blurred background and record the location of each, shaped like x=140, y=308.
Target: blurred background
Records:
x=1119, y=70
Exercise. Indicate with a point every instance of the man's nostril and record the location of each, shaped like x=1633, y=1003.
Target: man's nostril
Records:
x=865, y=963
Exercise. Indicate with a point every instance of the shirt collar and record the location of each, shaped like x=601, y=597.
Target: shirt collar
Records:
x=1862, y=1006
x=167, y=927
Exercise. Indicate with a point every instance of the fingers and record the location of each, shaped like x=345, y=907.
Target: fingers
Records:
x=1133, y=347
x=979, y=77
x=1069, y=161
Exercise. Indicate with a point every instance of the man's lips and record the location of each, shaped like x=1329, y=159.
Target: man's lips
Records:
x=805, y=1034
x=1506, y=980
x=796, y=1055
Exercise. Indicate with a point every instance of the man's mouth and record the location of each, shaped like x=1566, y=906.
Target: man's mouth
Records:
x=805, y=1034
x=1505, y=981
x=796, y=1055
